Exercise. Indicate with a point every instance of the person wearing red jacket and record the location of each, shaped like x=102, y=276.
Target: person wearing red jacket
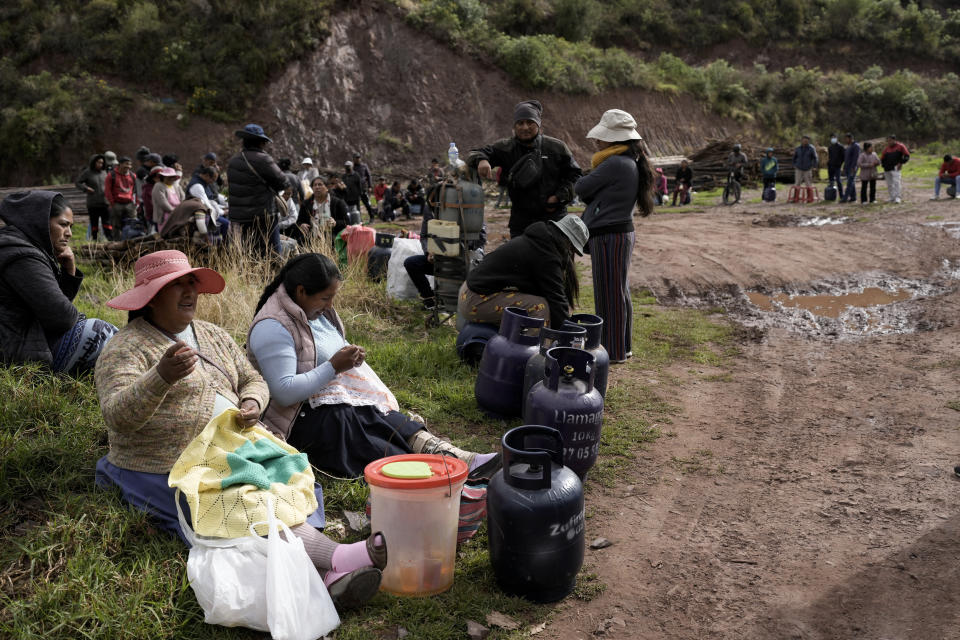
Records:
x=894, y=156
x=118, y=191
x=950, y=175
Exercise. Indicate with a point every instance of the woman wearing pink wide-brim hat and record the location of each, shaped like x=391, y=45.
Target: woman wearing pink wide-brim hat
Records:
x=163, y=377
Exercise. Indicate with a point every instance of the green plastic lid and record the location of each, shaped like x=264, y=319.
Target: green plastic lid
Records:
x=407, y=470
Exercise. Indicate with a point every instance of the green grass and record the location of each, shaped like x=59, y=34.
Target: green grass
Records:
x=78, y=563
x=923, y=166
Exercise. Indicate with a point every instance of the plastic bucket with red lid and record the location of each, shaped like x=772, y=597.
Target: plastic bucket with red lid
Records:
x=415, y=502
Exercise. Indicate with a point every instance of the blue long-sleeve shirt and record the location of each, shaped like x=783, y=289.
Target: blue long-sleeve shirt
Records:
x=273, y=347
x=850, y=157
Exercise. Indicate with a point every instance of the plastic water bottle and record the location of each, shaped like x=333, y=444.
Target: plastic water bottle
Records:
x=453, y=155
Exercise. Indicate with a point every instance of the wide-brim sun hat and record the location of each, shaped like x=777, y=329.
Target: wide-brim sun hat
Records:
x=575, y=230
x=306, y=161
x=156, y=270
x=252, y=131
x=615, y=125
x=167, y=172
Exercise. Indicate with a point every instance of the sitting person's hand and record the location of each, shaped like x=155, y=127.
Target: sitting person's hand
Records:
x=249, y=413
x=346, y=358
x=177, y=362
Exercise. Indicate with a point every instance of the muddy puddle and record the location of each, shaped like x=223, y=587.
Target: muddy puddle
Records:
x=832, y=306
x=782, y=220
x=842, y=309
x=951, y=227
x=858, y=307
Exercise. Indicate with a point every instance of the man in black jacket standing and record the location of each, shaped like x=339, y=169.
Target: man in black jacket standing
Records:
x=353, y=190
x=255, y=180
x=540, y=170
x=835, y=154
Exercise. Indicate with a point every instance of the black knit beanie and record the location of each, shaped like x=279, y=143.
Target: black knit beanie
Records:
x=528, y=110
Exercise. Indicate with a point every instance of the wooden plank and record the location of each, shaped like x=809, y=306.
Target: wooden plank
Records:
x=76, y=199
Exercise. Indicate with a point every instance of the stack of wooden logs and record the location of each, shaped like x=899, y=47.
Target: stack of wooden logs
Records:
x=709, y=164
x=126, y=252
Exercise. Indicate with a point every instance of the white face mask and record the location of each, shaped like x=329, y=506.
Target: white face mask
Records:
x=833, y=141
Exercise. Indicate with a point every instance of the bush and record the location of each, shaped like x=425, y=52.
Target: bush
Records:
x=44, y=112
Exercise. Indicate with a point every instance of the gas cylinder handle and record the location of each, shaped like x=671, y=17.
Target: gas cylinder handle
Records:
x=516, y=451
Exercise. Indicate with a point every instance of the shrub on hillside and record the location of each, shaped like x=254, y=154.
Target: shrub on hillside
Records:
x=43, y=112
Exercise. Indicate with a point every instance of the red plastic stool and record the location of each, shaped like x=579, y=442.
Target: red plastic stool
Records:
x=802, y=194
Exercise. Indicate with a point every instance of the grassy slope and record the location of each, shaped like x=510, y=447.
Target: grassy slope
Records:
x=78, y=563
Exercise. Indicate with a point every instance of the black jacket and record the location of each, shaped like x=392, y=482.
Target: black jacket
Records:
x=252, y=197
x=338, y=211
x=354, y=187
x=835, y=155
x=532, y=263
x=35, y=295
x=560, y=172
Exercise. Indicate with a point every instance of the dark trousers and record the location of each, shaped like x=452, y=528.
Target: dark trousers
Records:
x=873, y=190
x=833, y=175
x=100, y=215
x=418, y=268
x=850, y=193
x=120, y=212
x=365, y=199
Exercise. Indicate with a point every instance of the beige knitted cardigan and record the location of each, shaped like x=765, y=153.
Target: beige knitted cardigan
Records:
x=149, y=422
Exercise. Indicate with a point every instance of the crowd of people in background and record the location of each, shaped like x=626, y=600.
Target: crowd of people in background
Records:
x=267, y=201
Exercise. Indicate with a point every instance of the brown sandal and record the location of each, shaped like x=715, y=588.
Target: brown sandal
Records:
x=378, y=555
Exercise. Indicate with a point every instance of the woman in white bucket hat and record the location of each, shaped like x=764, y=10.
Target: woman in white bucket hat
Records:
x=620, y=180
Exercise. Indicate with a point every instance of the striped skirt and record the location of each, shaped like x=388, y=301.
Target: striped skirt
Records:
x=610, y=262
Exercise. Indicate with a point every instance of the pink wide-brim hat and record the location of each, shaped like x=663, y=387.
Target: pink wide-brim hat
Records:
x=156, y=270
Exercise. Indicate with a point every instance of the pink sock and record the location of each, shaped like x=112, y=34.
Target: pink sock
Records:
x=481, y=458
x=347, y=558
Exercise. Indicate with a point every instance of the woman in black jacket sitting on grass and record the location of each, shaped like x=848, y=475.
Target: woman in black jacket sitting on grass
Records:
x=38, y=281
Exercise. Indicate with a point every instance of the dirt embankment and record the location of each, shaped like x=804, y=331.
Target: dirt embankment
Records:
x=399, y=96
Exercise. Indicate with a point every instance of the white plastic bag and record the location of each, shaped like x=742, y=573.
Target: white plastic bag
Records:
x=264, y=584
x=298, y=604
x=399, y=284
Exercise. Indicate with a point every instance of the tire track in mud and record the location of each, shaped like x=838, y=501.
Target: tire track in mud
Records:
x=826, y=464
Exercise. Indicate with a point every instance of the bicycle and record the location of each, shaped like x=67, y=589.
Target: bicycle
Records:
x=731, y=192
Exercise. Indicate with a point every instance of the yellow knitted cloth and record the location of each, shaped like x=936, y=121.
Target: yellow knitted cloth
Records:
x=226, y=471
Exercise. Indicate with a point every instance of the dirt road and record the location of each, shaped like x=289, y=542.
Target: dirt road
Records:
x=808, y=492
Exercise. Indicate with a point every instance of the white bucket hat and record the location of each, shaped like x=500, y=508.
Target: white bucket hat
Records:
x=306, y=161
x=575, y=230
x=615, y=126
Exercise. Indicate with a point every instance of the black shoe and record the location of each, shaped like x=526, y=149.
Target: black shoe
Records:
x=956, y=471
x=355, y=588
x=429, y=304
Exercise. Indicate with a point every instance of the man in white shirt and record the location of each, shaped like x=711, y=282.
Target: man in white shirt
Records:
x=201, y=187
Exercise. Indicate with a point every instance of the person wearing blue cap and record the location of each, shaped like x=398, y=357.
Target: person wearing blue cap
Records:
x=255, y=181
